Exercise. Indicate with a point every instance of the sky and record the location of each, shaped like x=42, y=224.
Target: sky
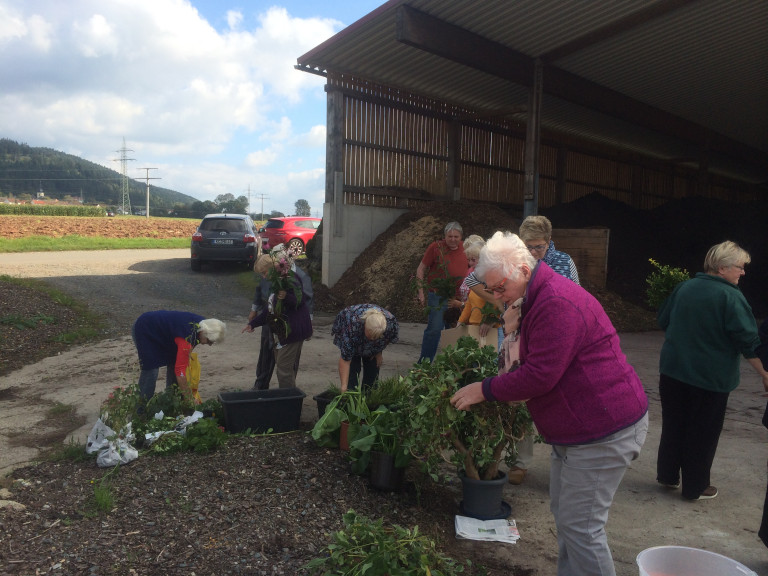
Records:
x=205, y=91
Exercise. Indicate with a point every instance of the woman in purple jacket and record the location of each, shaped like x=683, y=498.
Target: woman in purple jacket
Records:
x=585, y=399
x=297, y=317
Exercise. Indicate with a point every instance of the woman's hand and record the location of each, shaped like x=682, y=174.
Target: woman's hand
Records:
x=468, y=395
x=247, y=328
x=453, y=303
x=484, y=329
x=511, y=319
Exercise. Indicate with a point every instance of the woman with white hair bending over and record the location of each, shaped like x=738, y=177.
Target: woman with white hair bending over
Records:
x=362, y=332
x=166, y=338
x=585, y=399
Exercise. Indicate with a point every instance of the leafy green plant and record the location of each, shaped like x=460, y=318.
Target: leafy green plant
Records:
x=120, y=406
x=350, y=406
x=475, y=441
x=391, y=391
x=171, y=402
x=662, y=281
x=205, y=435
x=368, y=547
x=491, y=314
x=383, y=431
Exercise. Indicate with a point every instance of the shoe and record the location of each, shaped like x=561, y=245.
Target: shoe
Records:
x=670, y=486
x=708, y=493
x=516, y=475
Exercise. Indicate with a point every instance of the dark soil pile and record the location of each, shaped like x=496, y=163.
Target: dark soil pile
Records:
x=259, y=506
x=678, y=233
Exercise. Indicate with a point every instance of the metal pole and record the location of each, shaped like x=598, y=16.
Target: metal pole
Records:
x=148, y=179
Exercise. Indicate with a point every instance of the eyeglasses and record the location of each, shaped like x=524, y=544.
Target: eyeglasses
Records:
x=537, y=248
x=739, y=267
x=499, y=288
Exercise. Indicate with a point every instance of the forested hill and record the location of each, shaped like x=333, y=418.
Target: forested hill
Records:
x=26, y=170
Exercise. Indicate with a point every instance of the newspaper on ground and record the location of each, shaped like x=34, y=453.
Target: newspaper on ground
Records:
x=487, y=530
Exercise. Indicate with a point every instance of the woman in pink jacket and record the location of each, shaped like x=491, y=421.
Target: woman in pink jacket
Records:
x=585, y=399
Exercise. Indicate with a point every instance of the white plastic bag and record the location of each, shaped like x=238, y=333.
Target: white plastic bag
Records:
x=180, y=428
x=99, y=437
x=118, y=451
x=112, y=448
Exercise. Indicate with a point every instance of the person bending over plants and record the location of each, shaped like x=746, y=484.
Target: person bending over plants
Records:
x=166, y=338
x=362, y=332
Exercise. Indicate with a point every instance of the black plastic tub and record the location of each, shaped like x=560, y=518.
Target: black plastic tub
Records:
x=275, y=410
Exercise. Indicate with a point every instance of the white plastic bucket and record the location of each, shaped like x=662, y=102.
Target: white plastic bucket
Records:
x=682, y=561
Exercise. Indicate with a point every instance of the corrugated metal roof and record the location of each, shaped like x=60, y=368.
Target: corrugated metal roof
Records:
x=703, y=61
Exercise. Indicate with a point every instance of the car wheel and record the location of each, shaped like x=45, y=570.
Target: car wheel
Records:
x=196, y=265
x=296, y=245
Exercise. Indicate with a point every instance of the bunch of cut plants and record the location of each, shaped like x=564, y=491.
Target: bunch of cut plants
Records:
x=161, y=420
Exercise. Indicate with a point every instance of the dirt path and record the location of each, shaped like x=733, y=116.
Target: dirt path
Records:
x=123, y=284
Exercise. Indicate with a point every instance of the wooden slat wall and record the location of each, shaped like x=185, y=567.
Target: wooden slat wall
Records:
x=396, y=154
x=589, y=249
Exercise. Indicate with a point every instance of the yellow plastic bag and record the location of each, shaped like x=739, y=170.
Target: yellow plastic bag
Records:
x=193, y=376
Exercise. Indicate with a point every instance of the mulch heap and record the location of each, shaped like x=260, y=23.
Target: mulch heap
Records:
x=678, y=233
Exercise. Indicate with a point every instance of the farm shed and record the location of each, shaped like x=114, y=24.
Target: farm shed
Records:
x=533, y=103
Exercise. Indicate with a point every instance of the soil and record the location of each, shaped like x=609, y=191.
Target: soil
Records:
x=266, y=505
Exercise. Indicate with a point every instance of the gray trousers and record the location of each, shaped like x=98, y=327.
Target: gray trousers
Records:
x=582, y=482
x=286, y=362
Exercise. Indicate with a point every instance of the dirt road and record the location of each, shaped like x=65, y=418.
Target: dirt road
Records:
x=123, y=284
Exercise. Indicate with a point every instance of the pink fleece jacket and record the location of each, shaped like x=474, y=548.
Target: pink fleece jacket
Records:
x=574, y=377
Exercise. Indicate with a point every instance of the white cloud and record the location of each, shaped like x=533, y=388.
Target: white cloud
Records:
x=315, y=138
x=84, y=75
x=234, y=18
x=261, y=158
x=96, y=37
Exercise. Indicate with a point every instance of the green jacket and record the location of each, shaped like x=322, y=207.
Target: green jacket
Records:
x=708, y=324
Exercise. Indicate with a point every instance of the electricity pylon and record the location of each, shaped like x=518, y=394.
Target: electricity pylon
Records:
x=126, y=199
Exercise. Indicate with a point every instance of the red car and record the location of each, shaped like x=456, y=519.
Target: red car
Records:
x=293, y=231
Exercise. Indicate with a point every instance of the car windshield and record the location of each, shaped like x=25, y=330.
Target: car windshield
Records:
x=224, y=224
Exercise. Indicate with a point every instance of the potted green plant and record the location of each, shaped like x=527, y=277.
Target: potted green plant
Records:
x=474, y=441
x=341, y=420
x=369, y=547
x=378, y=446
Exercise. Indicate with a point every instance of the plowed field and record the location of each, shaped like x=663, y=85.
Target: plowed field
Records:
x=117, y=227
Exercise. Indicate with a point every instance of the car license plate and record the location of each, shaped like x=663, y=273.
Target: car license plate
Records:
x=217, y=241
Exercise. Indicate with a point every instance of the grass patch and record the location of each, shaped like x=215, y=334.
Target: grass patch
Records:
x=20, y=322
x=90, y=324
x=75, y=242
x=72, y=451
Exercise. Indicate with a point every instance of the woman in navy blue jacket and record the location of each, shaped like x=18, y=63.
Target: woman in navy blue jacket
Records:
x=165, y=338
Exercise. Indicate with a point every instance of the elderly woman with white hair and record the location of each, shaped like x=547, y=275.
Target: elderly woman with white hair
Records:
x=166, y=338
x=362, y=332
x=586, y=400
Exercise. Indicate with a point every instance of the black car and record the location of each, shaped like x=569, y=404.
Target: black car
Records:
x=224, y=238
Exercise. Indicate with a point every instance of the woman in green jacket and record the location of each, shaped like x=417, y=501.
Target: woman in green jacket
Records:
x=708, y=326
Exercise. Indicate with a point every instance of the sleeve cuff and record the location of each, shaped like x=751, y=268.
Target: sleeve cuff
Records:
x=487, y=390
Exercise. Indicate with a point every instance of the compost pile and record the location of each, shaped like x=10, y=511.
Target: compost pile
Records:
x=678, y=233
x=257, y=506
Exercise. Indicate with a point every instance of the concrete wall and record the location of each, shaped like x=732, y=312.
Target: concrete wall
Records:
x=344, y=240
